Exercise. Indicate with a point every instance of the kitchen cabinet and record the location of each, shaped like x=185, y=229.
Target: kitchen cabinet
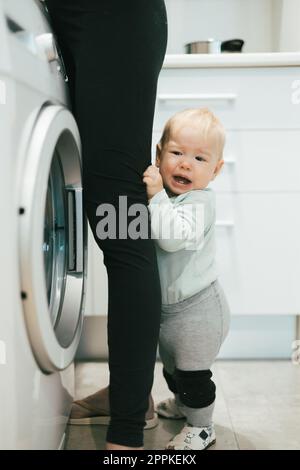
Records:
x=97, y=286
x=258, y=190
x=257, y=238
x=257, y=194
x=243, y=98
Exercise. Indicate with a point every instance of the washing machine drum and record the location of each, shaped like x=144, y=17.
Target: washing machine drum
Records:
x=52, y=234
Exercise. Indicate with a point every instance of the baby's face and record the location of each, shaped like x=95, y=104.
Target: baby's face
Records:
x=187, y=163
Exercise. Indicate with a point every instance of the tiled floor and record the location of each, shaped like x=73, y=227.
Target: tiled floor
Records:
x=257, y=406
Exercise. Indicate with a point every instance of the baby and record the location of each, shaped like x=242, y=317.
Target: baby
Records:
x=195, y=312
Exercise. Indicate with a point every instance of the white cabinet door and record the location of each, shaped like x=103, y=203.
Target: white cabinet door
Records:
x=100, y=281
x=243, y=98
x=260, y=160
x=258, y=252
x=97, y=286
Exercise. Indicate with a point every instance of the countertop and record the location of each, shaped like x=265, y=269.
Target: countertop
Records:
x=269, y=59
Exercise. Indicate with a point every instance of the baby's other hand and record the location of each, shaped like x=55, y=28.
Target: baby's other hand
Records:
x=153, y=180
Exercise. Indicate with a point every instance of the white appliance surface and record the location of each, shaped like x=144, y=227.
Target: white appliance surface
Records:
x=42, y=237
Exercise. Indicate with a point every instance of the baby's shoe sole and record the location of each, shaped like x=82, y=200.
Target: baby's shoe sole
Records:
x=104, y=421
x=205, y=448
x=211, y=444
x=193, y=438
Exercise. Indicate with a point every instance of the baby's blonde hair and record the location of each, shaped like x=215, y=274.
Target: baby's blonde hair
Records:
x=209, y=126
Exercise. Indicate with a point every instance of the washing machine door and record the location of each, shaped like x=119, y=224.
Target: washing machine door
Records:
x=52, y=233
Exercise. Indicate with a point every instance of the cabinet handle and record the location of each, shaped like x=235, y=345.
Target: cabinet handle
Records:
x=224, y=223
x=198, y=96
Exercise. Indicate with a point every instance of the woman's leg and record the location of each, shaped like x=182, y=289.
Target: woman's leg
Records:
x=114, y=51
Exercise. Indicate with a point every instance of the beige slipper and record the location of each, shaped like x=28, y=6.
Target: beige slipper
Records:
x=82, y=413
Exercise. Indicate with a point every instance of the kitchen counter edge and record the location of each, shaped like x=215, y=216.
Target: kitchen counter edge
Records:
x=270, y=59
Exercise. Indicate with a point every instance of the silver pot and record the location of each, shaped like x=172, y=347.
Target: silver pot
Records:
x=214, y=46
x=209, y=46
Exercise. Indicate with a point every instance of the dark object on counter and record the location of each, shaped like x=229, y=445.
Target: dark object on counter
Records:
x=232, y=45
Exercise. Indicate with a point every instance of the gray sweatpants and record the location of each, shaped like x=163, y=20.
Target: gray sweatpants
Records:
x=191, y=334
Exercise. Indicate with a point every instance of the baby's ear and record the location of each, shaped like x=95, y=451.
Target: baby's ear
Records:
x=218, y=168
x=158, y=153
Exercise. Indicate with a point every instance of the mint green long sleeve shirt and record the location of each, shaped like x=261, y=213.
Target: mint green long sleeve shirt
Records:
x=183, y=228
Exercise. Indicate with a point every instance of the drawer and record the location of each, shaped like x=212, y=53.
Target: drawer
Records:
x=243, y=98
x=266, y=160
x=258, y=252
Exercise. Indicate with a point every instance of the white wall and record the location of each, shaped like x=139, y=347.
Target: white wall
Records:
x=277, y=19
x=265, y=25
x=289, y=33
x=193, y=20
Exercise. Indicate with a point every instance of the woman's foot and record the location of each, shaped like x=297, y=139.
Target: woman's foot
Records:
x=110, y=446
x=95, y=409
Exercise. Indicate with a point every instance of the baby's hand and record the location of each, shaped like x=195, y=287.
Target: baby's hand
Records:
x=152, y=178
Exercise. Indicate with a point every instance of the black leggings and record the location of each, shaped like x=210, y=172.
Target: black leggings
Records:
x=113, y=52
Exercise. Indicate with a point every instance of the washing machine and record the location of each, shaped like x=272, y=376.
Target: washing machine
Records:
x=43, y=233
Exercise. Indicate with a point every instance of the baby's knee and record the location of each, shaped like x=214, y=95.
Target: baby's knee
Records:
x=195, y=388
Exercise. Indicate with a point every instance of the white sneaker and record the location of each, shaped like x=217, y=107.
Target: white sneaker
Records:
x=193, y=438
x=169, y=409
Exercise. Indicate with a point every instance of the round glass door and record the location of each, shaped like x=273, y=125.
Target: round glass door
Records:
x=52, y=239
